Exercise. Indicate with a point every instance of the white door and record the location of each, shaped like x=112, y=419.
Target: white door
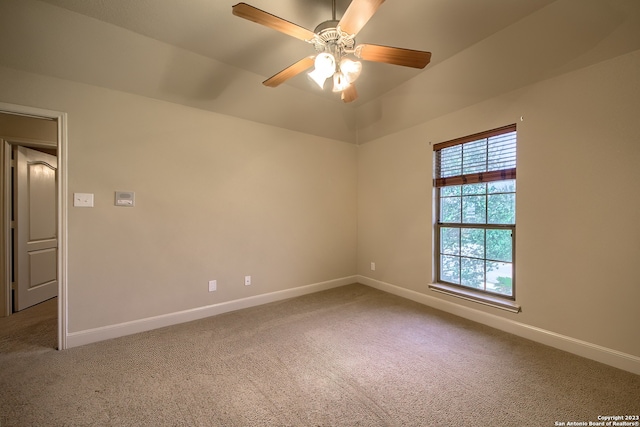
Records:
x=36, y=242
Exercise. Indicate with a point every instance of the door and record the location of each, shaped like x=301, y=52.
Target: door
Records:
x=36, y=241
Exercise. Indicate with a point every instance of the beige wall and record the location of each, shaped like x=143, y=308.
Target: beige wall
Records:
x=220, y=197
x=578, y=236
x=216, y=198
x=39, y=130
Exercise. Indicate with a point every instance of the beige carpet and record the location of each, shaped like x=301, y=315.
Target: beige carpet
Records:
x=31, y=330
x=351, y=356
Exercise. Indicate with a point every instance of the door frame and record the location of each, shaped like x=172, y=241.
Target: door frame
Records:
x=62, y=197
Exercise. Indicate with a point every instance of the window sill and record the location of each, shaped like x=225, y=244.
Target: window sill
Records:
x=478, y=297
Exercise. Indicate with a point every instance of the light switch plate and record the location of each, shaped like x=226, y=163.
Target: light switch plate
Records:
x=83, y=200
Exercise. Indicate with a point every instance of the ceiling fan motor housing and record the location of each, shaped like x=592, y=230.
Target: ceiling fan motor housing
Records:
x=331, y=23
x=330, y=38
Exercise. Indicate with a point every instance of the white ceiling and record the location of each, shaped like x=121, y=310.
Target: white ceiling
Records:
x=207, y=27
x=197, y=53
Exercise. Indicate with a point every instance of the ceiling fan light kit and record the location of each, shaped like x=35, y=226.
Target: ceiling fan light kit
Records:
x=334, y=40
x=331, y=42
x=340, y=82
x=325, y=67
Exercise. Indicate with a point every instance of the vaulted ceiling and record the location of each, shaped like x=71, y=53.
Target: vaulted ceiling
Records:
x=217, y=61
x=207, y=27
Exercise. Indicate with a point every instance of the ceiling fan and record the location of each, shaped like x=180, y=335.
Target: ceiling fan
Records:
x=333, y=41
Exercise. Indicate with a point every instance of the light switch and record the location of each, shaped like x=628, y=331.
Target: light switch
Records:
x=83, y=200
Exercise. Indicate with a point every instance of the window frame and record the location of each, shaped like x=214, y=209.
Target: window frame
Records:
x=438, y=253
x=467, y=292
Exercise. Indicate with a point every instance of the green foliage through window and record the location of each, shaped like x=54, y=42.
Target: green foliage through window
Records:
x=476, y=219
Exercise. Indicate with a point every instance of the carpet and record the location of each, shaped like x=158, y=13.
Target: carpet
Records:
x=350, y=356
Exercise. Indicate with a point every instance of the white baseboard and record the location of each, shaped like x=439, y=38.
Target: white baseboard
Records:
x=591, y=351
x=617, y=359
x=89, y=336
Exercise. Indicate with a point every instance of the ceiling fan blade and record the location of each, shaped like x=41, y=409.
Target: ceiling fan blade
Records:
x=261, y=17
x=358, y=14
x=289, y=72
x=349, y=94
x=393, y=55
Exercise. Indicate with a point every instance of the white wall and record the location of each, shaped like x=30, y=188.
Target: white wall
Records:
x=578, y=235
x=216, y=198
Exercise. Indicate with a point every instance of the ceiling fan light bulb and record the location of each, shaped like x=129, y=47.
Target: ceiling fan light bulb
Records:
x=325, y=64
x=351, y=69
x=317, y=77
x=340, y=82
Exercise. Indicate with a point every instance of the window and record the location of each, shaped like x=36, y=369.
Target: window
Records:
x=475, y=181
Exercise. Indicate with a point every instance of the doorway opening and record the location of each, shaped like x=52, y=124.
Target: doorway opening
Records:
x=33, y=183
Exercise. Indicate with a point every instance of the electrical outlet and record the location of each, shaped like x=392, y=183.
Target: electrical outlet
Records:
x=373, y=266
x=247, y=280
x=213, y=285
